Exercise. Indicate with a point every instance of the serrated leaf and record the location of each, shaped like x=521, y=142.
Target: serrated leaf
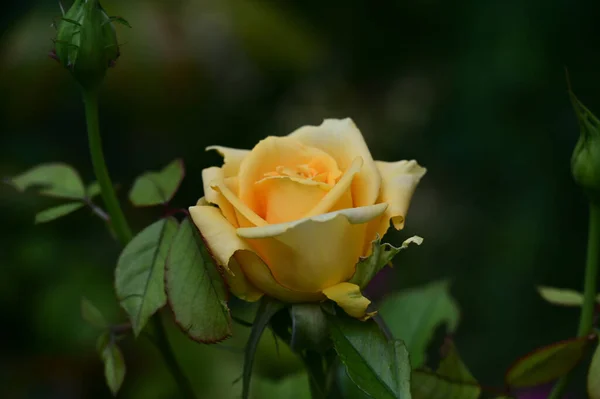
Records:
x=53, y=179
x=381, y=255
x=547, y=363
x=562, y=296
x=195, y=288
x=56, y=212
x=413, y=316
x=309, y=328
x=266, y=310
x=91, y=314
x=114, y=363
x=378, y=367
x=155, y=188
x=593, y=377
x=452, y=380
x=139, y=276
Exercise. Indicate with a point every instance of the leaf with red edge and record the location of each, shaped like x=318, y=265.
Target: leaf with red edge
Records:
x=593, y=380
x=196, y=290
x=547, y=363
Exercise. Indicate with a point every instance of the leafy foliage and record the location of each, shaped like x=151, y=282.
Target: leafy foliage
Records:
x=413, y=316
x=593, y=378
x=196, y=290
x=379, y=367
x=155, y=188
x=52, y=179
x=56, y=212
x=562, y=296
x=381, y=255
x=114, y=363
x=452, y=380
x=91, y=314
x=547, y=363
x=292, y=387
x=139, y=276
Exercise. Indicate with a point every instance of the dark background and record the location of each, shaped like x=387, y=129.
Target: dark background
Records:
x=474, y=90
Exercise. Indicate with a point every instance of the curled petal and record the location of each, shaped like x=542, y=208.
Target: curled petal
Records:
x=349, y=298
x=311, y=254
x=232, y=158
x=344, y=142
x=223, y=243
x=212, y=196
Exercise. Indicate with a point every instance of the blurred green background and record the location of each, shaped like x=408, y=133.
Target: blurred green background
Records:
x=474, y=90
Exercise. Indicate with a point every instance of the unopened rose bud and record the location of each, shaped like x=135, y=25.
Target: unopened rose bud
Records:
x=585, y=162
x=86, y=43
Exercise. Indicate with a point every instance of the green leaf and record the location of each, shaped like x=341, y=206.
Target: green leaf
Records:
x=562, y=297
x=93, y=189
x=547, y=363
x=593, y=378
x=139, y=276
x=56, y=212
x=452, y=380
x=91, y=314
x=413, y=316
x=114, y=363
x=53, y=179
x=292, y=387
x=379, y=367
x=195, y=288
x=120, y=20
x=309, y=328
x=155, y=188
x=267, y=309
x=381, y=255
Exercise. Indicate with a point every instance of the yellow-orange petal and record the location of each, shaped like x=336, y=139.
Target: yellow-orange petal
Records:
x=261, y=277
x=399, y=181
x=211, y=176
x=349, y=298
x=221, y=238
x=341, y=139
x=232, y=158
x=311, y=254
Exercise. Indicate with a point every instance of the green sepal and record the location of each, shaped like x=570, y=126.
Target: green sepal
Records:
x=267, y=309
x=309, y=328
x=381, y=255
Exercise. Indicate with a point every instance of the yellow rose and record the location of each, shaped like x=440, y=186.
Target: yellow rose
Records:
x=294, y=215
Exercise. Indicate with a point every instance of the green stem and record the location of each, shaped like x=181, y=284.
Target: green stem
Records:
x=117, y=218
x=586, y=319
x=122, y=231
x=317, y=377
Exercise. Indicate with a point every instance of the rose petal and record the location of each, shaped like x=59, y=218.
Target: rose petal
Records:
x=212, y=196
x=399, y=180
x=344, y=142
x=311, y=254
x=232, y=158
x=223, y=242
x=349, y=298
x=274, y=152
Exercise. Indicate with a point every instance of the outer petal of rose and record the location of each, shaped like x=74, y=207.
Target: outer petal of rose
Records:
x=349, y=298
x=232, y=158
x=312, y=254
x=209, y=176
x=260, y=276
x=223, y=242
x=399, y=180
x=344, y=142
